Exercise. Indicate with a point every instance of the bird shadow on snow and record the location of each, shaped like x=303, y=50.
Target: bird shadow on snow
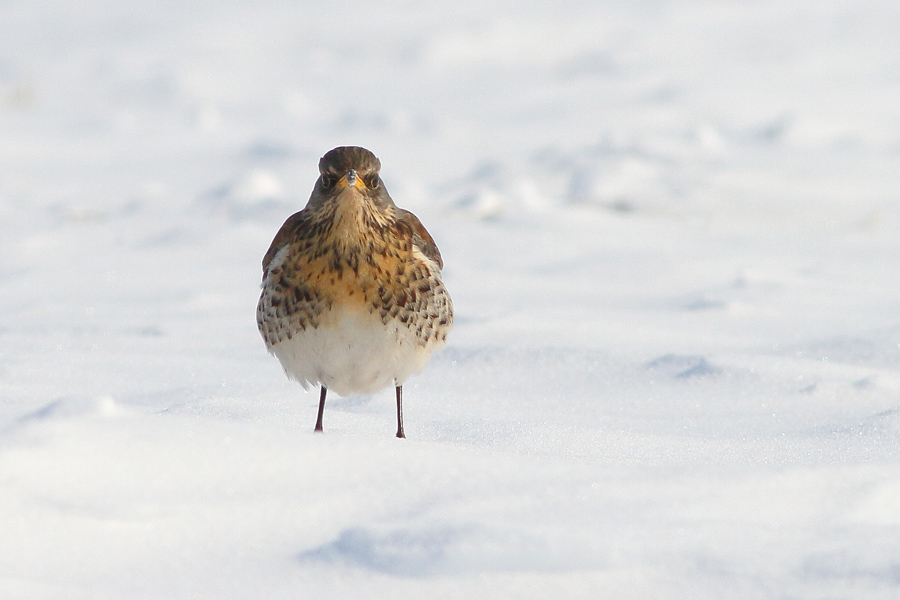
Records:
x=352, y=402
x=72, y=407
x=67, y=409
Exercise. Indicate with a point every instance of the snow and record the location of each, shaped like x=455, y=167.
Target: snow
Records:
x=669, y=231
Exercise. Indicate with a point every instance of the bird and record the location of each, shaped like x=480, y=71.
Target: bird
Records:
x=352, y=297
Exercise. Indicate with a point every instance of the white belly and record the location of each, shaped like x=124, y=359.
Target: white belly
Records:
x=358, y=355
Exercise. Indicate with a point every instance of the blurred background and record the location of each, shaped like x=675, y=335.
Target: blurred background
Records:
x=480, y=107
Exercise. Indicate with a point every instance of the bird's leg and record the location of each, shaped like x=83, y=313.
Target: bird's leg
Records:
x=400, y=433
x=321, y=408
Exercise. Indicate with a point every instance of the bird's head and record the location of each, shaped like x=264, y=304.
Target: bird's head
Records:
x=350, y=170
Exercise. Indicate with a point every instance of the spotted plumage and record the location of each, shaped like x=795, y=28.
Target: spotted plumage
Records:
x=352, y=298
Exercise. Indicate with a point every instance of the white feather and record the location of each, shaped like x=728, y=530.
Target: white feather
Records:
x=360, y=355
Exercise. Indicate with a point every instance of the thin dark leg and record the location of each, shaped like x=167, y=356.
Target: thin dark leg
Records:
x=321, y=408
x=400, y=433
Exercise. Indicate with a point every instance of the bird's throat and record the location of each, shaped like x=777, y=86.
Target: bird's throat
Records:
x=355, y=218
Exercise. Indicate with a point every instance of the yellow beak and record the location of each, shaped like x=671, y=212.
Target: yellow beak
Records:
x=350, y=180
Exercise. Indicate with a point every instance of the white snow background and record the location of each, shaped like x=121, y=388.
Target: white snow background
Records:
x=670, y=231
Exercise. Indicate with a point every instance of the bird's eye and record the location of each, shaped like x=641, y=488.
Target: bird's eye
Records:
x=374, y=182
x=327, y=181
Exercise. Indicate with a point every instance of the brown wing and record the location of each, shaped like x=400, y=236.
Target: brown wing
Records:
x=285, y=235
x=421, y=238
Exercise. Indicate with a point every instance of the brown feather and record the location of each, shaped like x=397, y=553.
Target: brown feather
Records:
x=421, y=239
x=285, y=235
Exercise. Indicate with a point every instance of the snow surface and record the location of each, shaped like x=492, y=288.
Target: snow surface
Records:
x=670, y=234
